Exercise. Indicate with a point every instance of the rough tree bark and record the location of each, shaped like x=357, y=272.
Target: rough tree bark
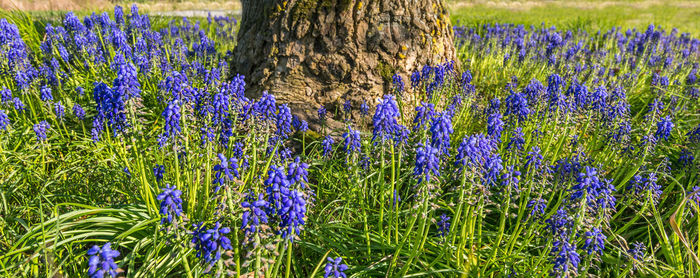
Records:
x=322, y=52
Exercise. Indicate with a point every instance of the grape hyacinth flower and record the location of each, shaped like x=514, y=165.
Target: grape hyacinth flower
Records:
x=443, y=225
x=210, y=242
x=516, y=139
x=277, y=186
x=18, y=105
x=46, y=93
x=441, y=129
x=78, y=111
x=427, y=163
x=352, y=142
x=284, y=121
x=172, y=119
x=516, y=105
x=322, y=113
x=385, y=118
x=171, y=203
x=254, y=213
x=538, y=207
x=595, y=241
x=327, y=145
x=586, y=182
x=566, y=259
x=424, y=112
x=474, y=150
x=663, y=128
x=397, y=83
x=492, y=169
x=510, y=177
x=495, y=126
x=298, y=172
x=265, y=107
x=335, y=268
x=415, y=79
x=364, y=109
x=641, y=185
x=226, y=169
x=4, y=120
x=637, y=251
x=533, y=160
x=41, y=130
x=59, y=110
x=101, y=261
x=5, y=95
x=158, y=172
x=347, y=107
x=292, y=214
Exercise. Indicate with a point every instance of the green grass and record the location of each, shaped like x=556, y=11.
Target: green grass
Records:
x=590, y=16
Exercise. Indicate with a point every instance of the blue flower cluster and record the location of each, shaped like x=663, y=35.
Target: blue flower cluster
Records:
x=101, y=262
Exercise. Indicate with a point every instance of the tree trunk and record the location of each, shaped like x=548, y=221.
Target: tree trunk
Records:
x=310, y=53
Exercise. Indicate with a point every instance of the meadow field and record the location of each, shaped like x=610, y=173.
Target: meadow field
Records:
x=562, y=142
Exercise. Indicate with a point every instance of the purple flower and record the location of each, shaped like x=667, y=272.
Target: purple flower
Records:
x=101, y=262
x=538, y=207
x=474, y=150
x=126, y=83
x=441, y=129
x=559, y=224
x=495, y=126
x=352, y=142
x=322, y=113
x=516, y=104
x=510, y=177
x=516, y=139
x=265, y=107
x=595, y=241
x=225, y=170
x=41, y=130
x=172, y=119
x=493, y=166
x=637, y=251
x=427, y=163
x=171, y=203
x=663, y=128
x=4, y=120
x=46, y=93
x=19, y=106
x=78, y=111
x=347, y=107
x=292, y=214
x=385, y=119
x=641, y=185
x=298, y=172
x=533, y=160
x=443, y=225
x=158, y=172
x=424, y=113
x=566, y=259
x=210, y=242
x=364, y=109
x=335, y=268
x=277, y=186
x=327, y=145
x=5, y=95
x=284, y=120
x=397, y=83
x=415, y=79
x=254, y=214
